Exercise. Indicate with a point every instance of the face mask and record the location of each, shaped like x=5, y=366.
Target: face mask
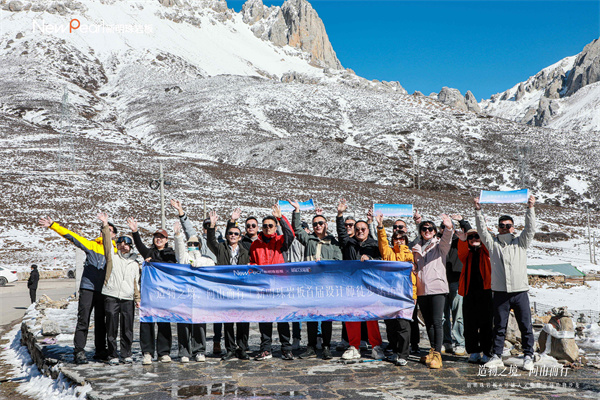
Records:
x=193, y=249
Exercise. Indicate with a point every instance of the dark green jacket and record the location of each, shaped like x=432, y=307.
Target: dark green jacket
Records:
x=328, y=248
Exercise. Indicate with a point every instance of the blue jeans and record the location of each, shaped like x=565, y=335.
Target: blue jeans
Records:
x=454, y=329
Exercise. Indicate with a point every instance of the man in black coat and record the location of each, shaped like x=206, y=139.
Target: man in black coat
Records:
x=32, y=282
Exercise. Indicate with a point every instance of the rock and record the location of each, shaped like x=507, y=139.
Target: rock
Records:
x=418, y=94
x=19, y=35
x=586, y=69
x=559, y=332
x=520, y=92
x=551, y=236
x=453, y=98
x=433, y=95
x=546, y=109
x=15, y=6
x=50, y=328
x=513, y=334
x=471, y=102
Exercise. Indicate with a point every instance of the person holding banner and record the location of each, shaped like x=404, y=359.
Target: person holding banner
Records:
x=398, y=330
x=158, y=252
x=231, y=253
x=318, y=246
x=268, y=249
x=359, y=247
x=508, y=255
x=191, y=337
x=121, y=292
x=432, y=285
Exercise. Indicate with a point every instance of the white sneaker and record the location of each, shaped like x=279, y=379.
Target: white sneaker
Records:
x=494, y=362
x=128, y=360
x=319, y=343
x=447, y=348
x=184, y=359
x=351, y=354
x=296, y=344
x=113, y=361
x=460, y=351
x=528, y=363
x=475, y=358
x=147, y=360
x=164, y=359
x=401, y=362
x=200, y=357
x=377, y=353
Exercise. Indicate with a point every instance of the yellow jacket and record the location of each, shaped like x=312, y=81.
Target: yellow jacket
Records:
x=396, y=254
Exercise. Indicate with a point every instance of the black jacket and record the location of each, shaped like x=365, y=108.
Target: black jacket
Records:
x=453, y=264
x=352, y=249
x=34, y=277
x=166, y=255
x=223, y=252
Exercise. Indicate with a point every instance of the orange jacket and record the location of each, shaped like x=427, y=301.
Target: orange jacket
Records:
x=466, y=255
x=396, y=254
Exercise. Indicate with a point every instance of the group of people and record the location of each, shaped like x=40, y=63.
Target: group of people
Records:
x=467, y=279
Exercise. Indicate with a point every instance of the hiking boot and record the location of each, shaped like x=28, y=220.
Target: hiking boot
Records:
x=242, y=355
x=427, y=359
x=319, y=343
x=309, y=353
x=287, y=355
x=495, y=362
x=265, y=355
x=228, y=356
x=485, y=359
x=113, y=361
x=327, y=353
x=436, y=361
x=164, y=359
x=351, y=354
x=184, y=359
x=80, y=358
x=377, y=353
x=200, y=357
x=296, y=344
x=447, y=348
x=475, y=358
x=217, y=348
x=342, y=346
x=147, y=360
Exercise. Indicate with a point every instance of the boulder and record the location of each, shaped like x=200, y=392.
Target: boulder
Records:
x=586, y=69
x=557, y=339
x=520, y=92
x=50, y=328
x=453, y=98
x=513, y=334
x=15, y=6
x=471, y=102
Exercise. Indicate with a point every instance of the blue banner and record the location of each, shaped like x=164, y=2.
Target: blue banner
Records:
x=393, y=210
x=304, y=205
x=498, y=197
x=306, y=291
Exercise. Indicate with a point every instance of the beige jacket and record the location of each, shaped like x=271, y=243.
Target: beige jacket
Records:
x=122, y=271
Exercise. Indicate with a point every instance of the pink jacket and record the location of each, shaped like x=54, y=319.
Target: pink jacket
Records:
x=430, y=265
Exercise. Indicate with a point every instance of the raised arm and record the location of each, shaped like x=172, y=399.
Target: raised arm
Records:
x=339, y=223
x=446, y=240
x=107, y=245
x=526, y=236
x=371, y=223
x=288, y=233
x=300, y=233
x=484, y=234
x=79, y=241
x=180, y=245
x=211, y=237
x=137, y=240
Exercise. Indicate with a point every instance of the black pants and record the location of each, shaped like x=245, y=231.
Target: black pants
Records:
x=519, y=302
x=191, y=339
x=266, y=334
x=32, y=295
x=241, y=340
x=160, y=343
x=218, y=333
x=432, y=308
x=296, y=330
x=398, y=333
x=90, y=300
x=312, y=331
x=478, y=311
x=121, y=312
x=415, y=334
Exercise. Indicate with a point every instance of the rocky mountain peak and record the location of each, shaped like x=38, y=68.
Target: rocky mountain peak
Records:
x=586, y=69
x=295, y=23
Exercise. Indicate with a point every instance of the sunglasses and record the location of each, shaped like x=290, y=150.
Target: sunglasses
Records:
x=250, y=226
x=233, y=233
x=473, y=236
x=125, y=239
x=193, y=244
x=396, y=227
x=427, y=228
x=349, y=225
x=505, y=226
x=318, y=223
x=268, y=226
x=362, y=229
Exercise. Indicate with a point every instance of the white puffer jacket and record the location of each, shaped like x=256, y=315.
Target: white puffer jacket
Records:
x=194, y=258
x=122, y=273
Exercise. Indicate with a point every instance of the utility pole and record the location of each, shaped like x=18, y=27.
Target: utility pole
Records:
x=418, y=169
x=160, y=184
x=204, y=207
x=66, y=147
x=587, y=211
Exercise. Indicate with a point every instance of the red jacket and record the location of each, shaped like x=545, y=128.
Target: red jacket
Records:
x=267, y=251
x=466, y=255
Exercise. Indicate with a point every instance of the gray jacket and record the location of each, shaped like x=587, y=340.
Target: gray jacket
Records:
x=508, y=254
x=189, y=231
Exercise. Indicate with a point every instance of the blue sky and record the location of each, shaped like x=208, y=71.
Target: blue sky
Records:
x=482, y=46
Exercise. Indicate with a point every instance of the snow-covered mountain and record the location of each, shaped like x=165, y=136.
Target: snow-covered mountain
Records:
x=243, y=109
x=565, y=95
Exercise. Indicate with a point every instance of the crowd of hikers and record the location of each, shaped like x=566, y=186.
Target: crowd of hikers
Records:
x=465, y=282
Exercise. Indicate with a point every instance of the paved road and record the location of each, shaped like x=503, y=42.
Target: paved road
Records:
x=14, y=297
